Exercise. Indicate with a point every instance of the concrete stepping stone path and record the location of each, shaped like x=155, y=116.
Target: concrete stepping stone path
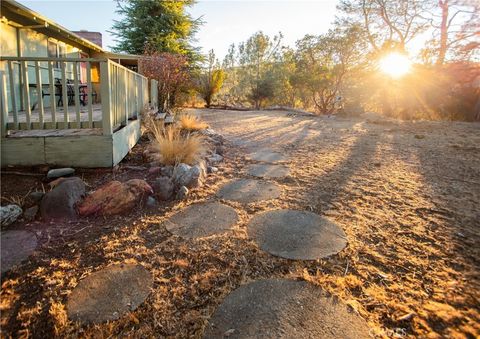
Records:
x=297, y=235
x=268, y=171
x=202, y=220
x=109, y=293
x=281, y=308
x=247, y=191
x=267, y=156
x=16, y=246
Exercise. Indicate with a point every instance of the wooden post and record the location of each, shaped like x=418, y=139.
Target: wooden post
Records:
x=53, y=91
x=39, y=94
x=12, y=95
x=126, y=89
x=26, y=92
x=64, y=95
x=105, y=90
x=89, y=93
x=4, y=100
x=76, y=92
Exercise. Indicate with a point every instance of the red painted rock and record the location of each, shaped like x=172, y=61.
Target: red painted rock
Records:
x=115, y=198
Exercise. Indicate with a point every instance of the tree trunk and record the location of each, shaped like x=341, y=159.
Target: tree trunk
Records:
x=442, y=51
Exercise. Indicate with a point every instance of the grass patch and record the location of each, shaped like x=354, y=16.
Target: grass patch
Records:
x=171, y=147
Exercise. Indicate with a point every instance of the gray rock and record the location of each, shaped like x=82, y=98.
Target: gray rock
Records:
x=163, y=188
x=36, y=196
x=167, y=171
x=59, y=203
x=151, y=202
x=30, y=213
x=214, y=158
x=182, y=193
x=212, y=169
x=9, y=213
x=60, y=172
x=189, y=176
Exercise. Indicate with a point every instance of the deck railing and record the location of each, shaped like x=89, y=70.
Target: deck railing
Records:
x=124, y=94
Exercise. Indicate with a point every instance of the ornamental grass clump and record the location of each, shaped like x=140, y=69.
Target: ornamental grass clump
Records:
x=171, y=147
x=191, y=123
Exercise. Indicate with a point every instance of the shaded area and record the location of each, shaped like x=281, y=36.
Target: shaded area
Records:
x=16, y=246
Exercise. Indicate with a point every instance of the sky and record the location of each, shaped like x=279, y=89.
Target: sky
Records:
x=225, y=22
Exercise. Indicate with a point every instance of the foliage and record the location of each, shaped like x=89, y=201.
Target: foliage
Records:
x=191, y=123
x=164, y=26
x=211, y=80
x=172, y=147
x=170, y=70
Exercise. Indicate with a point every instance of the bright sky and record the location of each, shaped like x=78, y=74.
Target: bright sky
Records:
x=226, y=21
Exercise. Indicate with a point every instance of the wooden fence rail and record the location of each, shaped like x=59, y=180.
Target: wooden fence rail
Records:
x=124, y=93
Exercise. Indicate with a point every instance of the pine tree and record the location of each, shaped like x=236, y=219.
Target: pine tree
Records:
x=162, y=25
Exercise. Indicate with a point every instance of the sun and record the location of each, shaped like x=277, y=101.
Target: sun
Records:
x=395, y=64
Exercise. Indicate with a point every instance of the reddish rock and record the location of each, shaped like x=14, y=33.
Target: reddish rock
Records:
x=115, y=198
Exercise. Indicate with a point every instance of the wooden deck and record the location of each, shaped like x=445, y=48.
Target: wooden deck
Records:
x=60, y=114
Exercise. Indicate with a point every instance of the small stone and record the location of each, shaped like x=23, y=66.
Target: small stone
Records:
x=151, y=202
x=167, y=171
x=182, y=193
x=214, y=158
x=155, y=170
x=36, y=196
x=212, y=169
x=189, y=176
x=9, y=213
x=30, y=213
x=419, y=136
x=60, y=172
x=163, y=188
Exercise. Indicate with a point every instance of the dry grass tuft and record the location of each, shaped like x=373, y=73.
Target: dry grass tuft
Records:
x=172, y=147
x=189, y=122
x=151, y=125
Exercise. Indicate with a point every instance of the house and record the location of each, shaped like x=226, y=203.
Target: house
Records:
x=65, y=101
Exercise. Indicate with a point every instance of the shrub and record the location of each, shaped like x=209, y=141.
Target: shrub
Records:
x=172, y=147
x=189, y=122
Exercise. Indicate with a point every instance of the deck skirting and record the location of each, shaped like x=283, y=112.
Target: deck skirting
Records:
x=57, y=149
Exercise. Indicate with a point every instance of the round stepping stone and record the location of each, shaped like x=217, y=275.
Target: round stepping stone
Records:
x=281, y=308
x=268, y=171
x=296, y=234
x=267, y=156
x=16, y=247
x=109, y=293
x=202, y=220
x=248, y=190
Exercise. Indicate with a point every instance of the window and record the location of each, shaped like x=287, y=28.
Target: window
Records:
x=56, y=50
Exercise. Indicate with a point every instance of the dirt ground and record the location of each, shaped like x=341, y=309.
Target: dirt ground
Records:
x=407, y=195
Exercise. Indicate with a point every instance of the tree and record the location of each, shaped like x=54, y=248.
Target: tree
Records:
x=325, y=61
x=162, y=25
x=211, y=80
x=387, y=24
x=170, y=70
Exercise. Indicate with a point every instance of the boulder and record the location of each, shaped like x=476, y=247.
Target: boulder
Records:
x=60, y=202
x=167, y=171
x=163, y=188
x=189, y=176
x=115, y=198
x=60, y=172
x=9, y=213
x=182, y=193
x=155, y=170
